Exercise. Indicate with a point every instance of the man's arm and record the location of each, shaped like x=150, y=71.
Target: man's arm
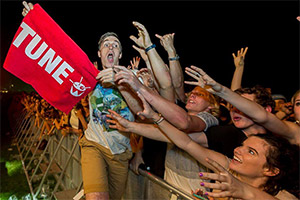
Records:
x=160, y=71
x=167, y=41
x=131, y=98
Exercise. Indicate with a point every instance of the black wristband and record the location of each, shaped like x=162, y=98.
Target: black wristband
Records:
x=150, y=47
x=174, y=58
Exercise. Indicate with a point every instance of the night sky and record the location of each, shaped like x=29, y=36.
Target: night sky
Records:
x=206, y=34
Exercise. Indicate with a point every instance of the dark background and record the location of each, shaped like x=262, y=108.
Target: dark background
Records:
x=206, y=34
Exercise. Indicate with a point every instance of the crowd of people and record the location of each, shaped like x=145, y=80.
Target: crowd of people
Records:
x=219, y=142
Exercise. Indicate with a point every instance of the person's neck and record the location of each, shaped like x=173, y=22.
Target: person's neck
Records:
x=253, y=130
x=258, y=182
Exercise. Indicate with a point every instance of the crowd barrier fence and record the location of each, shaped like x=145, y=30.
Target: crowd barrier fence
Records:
x=51, y=163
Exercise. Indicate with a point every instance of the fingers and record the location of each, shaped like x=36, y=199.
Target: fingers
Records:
x=139, y=26
x=95, y=63
x=191, y=82
x=27, y=8
x=192, y=73
x=244, y=53
x=219, y=186
x=142, y=98
x=26, y=5
x=133, y=38
x=199, y=70
x=212, y=176
x=121, y=68
x=138, y=49
x=106, y=75
x=219, y=194
x=24, y=13
x=159, y=36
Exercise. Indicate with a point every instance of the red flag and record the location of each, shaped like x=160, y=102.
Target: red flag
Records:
x=44, y=56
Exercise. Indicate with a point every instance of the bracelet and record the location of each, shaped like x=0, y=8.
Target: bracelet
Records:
x=174, y=58
x=150, y=47
x=161, y=118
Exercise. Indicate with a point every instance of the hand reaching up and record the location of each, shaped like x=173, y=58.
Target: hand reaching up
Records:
x=116, y=121
x=143, y=40
x=203, y=80
x=239, y=59
x=28, y=7
x=134, y=63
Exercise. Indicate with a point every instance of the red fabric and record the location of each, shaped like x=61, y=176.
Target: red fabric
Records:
x=31, y=68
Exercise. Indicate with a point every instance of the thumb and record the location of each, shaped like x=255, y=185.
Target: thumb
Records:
x=159, y=36
x=133, y=38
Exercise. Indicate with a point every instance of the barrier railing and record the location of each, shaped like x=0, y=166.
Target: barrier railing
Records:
x=53, y=170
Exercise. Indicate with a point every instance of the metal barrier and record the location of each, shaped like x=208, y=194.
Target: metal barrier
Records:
x=53, y=171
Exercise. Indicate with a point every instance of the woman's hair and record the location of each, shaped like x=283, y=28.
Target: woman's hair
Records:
x=284, y=156
x=294, y=97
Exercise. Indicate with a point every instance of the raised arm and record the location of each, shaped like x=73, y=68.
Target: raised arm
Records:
x=160, y=71
x=167, y=41
x=149, y=67
x=173, y=113
x=255, y=111
x=239, y=63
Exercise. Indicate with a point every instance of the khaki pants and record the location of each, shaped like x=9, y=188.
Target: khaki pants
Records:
x=101, y=170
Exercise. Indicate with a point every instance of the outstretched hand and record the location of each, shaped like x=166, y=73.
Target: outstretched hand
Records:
x=148, y=112
x=203, y=80
x=116, y=121
x=143, y=40
x=239, y=59
x=134, y=63
x=28, y=7
x=124, y=75
x=227, y=183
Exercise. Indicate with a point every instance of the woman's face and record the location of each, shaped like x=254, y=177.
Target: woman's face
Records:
x=198, y=100
x=297, y=107
x=250, y=158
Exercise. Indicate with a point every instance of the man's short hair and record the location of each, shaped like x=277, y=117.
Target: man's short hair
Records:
x=105, y=35
x=262, y=95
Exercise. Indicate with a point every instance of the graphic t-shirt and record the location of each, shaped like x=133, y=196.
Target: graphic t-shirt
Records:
x=98, y=129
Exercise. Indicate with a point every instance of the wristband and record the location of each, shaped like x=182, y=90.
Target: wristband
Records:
x=150, y=47
x=161, y=118
x=174, y=58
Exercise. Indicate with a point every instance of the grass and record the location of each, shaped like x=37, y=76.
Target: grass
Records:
x=13, y=179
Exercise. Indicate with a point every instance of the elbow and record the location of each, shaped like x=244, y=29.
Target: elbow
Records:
x=166, y=83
